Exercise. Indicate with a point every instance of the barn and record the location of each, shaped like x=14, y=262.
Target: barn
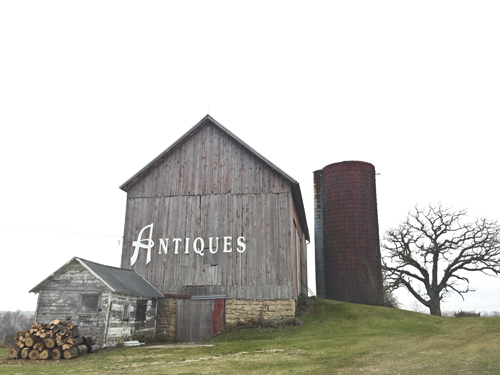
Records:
x=219, y=230
x=108, y=303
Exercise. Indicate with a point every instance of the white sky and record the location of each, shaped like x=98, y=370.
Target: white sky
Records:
x=92, y=91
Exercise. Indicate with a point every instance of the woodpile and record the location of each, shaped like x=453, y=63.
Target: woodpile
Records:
x=55, y=340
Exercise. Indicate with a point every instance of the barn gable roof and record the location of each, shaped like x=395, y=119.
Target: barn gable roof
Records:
x=295, y=187
x=118, y=280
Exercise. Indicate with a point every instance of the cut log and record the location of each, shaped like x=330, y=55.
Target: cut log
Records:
x=82, y=350
x=49, y=342
x=29, y=341
x=94, y=348
x=71, y=353
x=55, y=321
x=38, y=346
x=25, y=352
x=44, y=354
x=74, y=332
x=66, y=346
x=89, y=340
x=33, y=355
x=18, y=334
x=56, y=353
x=14, y=352
x=78, y=341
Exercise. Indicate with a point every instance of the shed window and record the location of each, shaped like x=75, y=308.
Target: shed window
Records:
x=90, y=303
x=140, y=315
x=126, y=311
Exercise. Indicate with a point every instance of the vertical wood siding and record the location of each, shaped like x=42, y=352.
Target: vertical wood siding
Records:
x=211, y=186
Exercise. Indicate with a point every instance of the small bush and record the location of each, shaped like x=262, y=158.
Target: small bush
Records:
x=120, y=342
x=466, y=314
x=305, y=306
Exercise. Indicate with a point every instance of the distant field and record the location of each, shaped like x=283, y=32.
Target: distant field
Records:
x=338, y=338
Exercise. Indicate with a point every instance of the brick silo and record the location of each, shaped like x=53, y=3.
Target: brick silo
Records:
x=348, y=265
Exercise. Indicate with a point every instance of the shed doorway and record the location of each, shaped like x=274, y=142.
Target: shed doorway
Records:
x=198, y=319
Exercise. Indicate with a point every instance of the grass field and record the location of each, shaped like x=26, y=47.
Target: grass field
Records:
x=338, y=338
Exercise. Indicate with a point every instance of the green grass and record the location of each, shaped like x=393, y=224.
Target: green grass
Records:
x=338, y=338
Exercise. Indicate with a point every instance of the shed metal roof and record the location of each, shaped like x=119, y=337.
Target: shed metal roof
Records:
x=118, y=280
x=296, y=193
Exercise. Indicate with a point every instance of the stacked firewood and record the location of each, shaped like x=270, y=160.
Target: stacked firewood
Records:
x=56, y=340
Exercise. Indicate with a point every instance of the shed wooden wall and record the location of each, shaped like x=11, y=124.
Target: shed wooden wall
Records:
x=119, y=329
x=212, y=186
x=61, y=298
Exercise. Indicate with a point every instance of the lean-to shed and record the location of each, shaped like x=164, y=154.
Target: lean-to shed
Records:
x=219, y=229
x=107, y=303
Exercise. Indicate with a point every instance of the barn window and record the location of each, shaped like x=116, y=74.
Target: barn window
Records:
x=140, y=315
x=90, y=303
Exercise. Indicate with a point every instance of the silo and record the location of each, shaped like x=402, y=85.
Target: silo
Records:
x=348, y=265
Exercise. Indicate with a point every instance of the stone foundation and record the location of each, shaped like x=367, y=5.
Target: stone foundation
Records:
x=246, y=310
x=165, y=319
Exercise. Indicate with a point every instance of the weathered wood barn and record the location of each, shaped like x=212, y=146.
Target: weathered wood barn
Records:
x=219, y=230
x=107, y=303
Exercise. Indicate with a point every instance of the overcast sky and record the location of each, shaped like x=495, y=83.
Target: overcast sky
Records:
x=92, y=91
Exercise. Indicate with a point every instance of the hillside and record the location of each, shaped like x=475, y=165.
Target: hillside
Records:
x=338, y=338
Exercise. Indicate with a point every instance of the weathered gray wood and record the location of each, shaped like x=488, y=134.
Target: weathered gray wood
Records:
x=212, y=186
x=194, y=320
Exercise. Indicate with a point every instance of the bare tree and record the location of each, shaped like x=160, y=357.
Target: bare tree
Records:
x=12, y=322
x=430, y=252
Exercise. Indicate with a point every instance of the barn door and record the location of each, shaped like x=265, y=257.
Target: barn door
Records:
x=198, y=319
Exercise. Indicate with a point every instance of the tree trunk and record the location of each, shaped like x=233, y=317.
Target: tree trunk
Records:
x=435, y=307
